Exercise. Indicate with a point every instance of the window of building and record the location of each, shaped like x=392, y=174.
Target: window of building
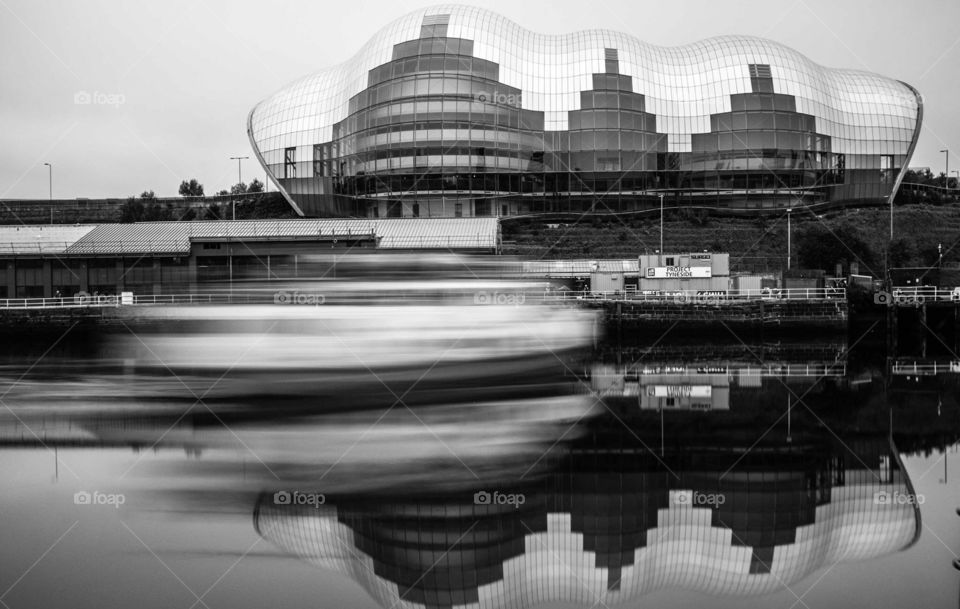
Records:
x=434, y=26
x=416, y=210
x=669, y=261
x=761, y=79
x=611, y=61
x=458, y=210
x=886, y=168
x=290, y=162
x=318, y=160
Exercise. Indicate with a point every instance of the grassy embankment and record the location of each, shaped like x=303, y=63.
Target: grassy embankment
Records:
x=755, y=245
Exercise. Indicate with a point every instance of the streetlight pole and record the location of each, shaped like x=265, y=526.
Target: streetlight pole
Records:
x=239, y=160
x=50, y=192
x=789, y=244
x=50, y=178
x=946, y=172
x=661, y=225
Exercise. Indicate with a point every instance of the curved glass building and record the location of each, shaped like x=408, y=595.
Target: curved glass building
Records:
x=457, y=111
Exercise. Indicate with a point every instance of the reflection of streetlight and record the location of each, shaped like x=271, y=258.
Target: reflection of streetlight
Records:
x=661, y=428
x=789, y=417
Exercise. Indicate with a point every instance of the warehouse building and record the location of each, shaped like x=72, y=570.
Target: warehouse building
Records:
x=45, y=261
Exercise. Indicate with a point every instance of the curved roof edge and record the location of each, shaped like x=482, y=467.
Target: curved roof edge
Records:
x=910, y=150
x=263, y=163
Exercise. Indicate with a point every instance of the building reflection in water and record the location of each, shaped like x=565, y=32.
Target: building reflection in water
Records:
x=615, y=521
x=731, y=472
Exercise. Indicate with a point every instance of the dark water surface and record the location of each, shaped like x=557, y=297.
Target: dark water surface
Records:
x=671, y=474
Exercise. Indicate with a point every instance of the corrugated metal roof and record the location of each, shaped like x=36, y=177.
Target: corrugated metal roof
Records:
x=437, y=233
x=138, y=238
x=52, y=239
x=175, y=237
x=579, y=268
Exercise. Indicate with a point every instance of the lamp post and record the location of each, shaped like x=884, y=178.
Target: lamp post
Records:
x=50, y=178
x=789, y=231
x=946, y=170
x=233, y=202
x=50, y=192
x=661, y=225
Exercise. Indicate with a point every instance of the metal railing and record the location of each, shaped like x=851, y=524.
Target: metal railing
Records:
x=113, y=300
x=906, y=295
x=704, y=296
x=924, y=368
x=270, y=297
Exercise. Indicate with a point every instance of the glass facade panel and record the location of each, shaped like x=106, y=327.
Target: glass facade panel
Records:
x=560, y=122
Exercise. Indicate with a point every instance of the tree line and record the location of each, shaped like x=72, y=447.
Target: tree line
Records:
x=147, y=208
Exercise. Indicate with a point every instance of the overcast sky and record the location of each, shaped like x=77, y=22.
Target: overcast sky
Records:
x=189, y=71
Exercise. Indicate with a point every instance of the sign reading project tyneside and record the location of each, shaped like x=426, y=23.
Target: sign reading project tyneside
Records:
x=678, y=272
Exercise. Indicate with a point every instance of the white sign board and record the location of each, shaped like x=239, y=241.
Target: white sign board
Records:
x=680, y=391
x=678, y=272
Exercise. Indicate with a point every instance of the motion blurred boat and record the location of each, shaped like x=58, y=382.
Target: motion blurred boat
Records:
x=355, y=356
x=384, y=332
